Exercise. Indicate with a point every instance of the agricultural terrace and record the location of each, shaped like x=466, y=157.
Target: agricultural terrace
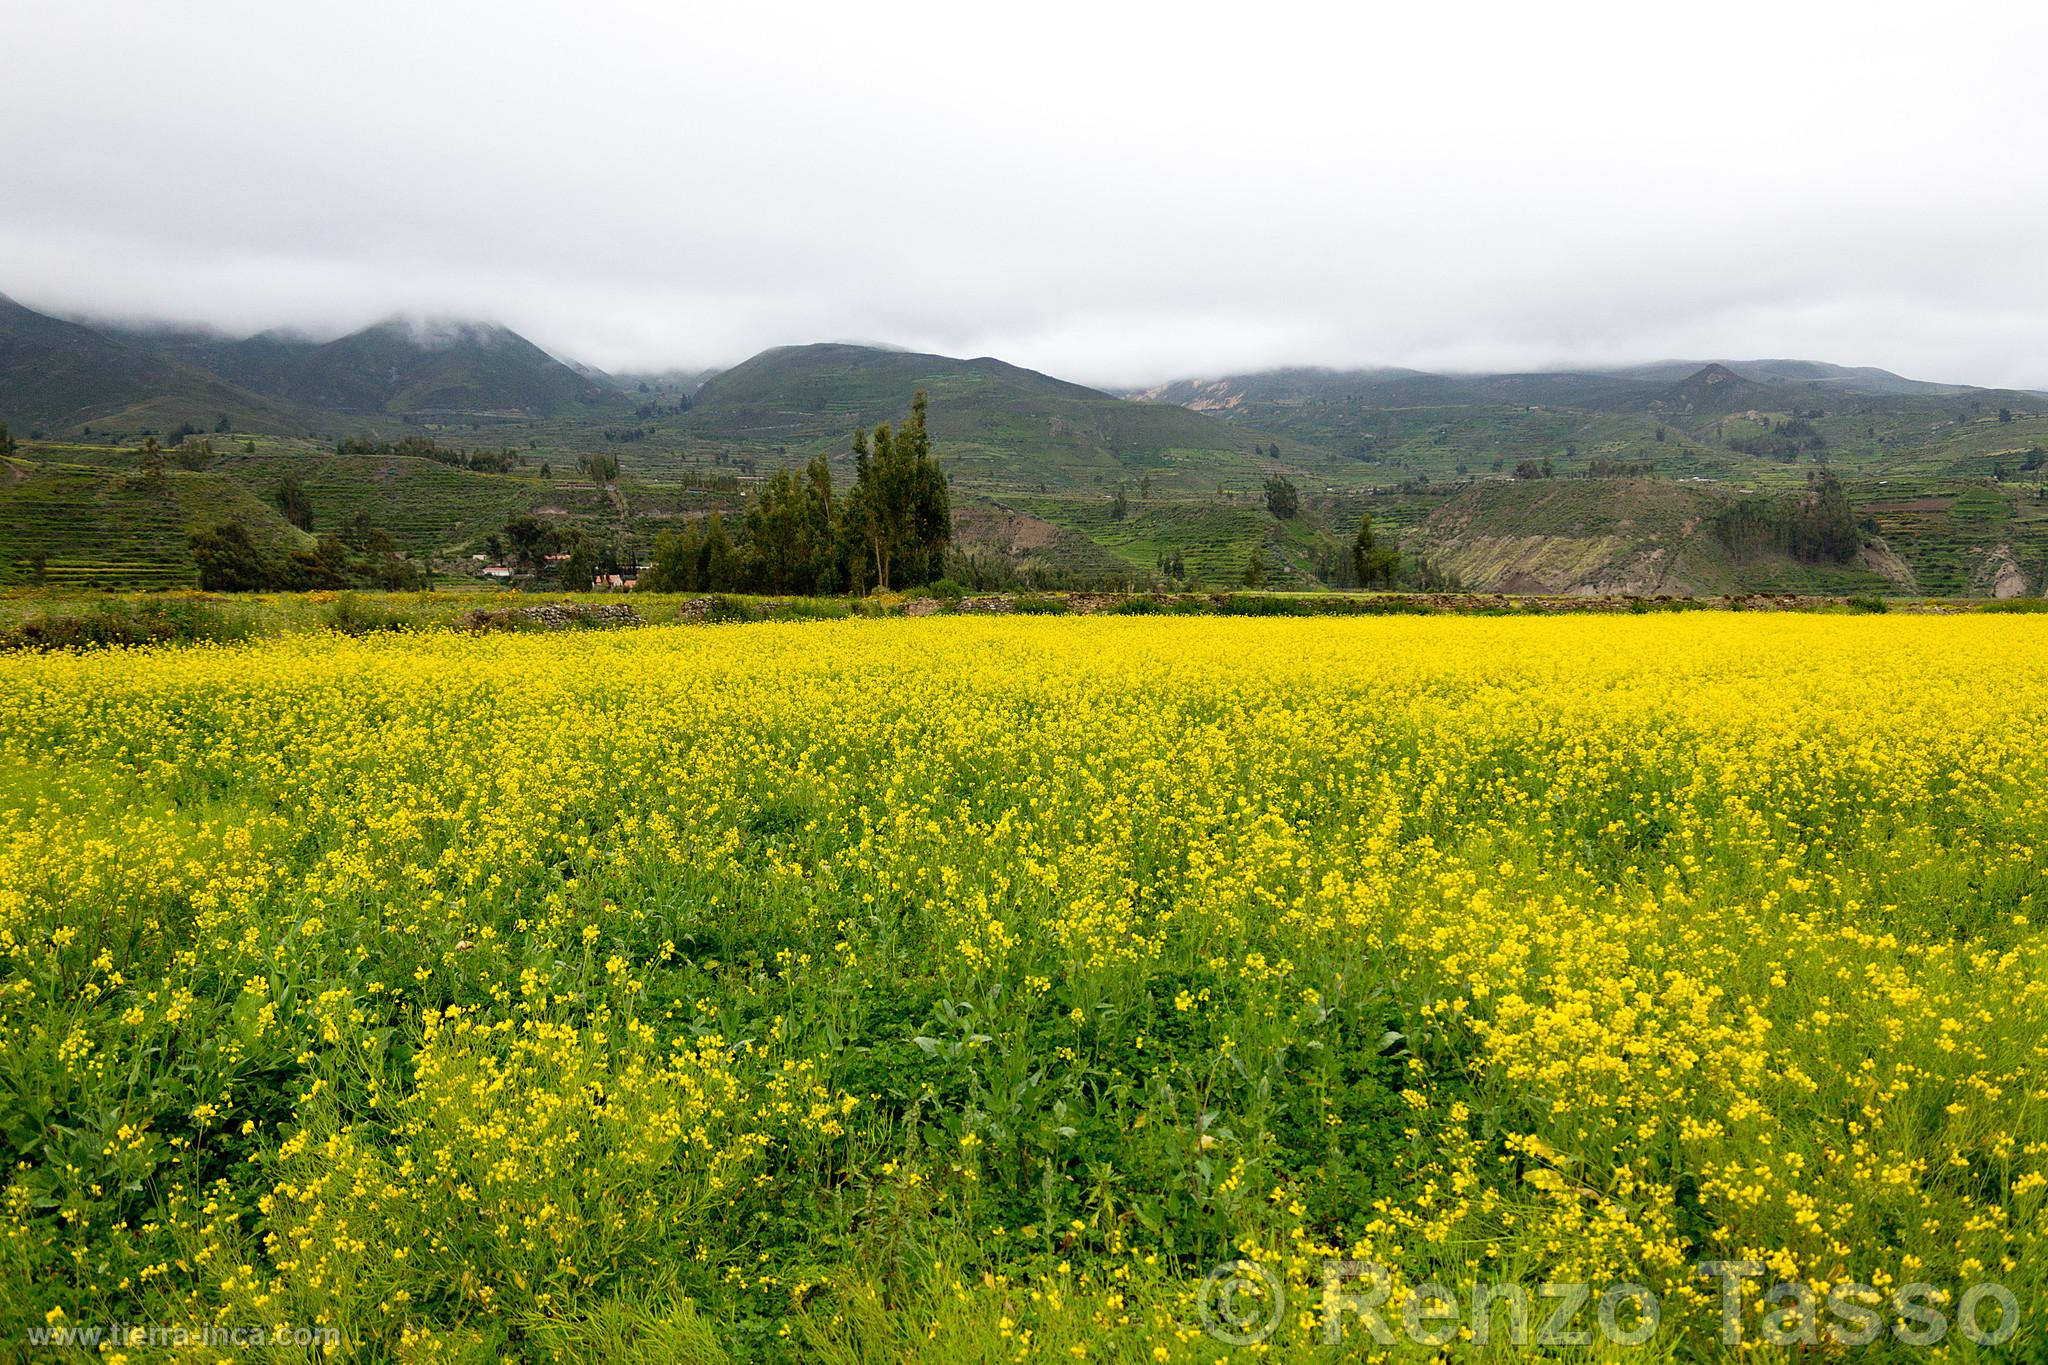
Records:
x=968, y=988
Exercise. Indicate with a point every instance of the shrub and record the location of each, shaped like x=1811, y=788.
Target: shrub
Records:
x=1388, y=606
x=160, y=620
x=352, y=614
x=814, y=609
x=728, y=608
x=1261, y=604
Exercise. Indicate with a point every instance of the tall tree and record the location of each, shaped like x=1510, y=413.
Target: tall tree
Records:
x=931, y=501
x=1283, y=500
x=717, y=565
x=900, y=507
x=675, y=562
x=821, y=526
x=579, y=571
x=530, y=539
x=293, y=502
x=778, y=536
x=228, y=560
x=1373, y=563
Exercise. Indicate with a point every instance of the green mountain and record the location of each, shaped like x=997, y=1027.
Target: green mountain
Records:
x=1862, y=379
x=400, y=368
x=1565, y=481
x=999, y=426
x=1712, y=390
x=1743, y=421
x=57, y=375
x=1950, y=537
x=650, y=383
x=1709, y=386
x=1315, y=389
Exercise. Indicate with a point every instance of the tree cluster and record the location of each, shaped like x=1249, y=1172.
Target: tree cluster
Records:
x=481, y=461
x=293, y=503
x=1373, y=562
x=598, y=468
x=1786, y=439
x=1601, y=467
x=360, y=556
x=892, y=528
x=1817, y=525
x=1283, y=500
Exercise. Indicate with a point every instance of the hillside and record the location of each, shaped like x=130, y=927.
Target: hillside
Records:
x=1629, y=389
x=805, y=395
x=71, y=380
x=1053, y=476
x=400, y=367
x=59, y=375
x=1712, y=390
x=1741, y=422
x=1641, y=536
x=95, y=526
x=428, y=507
x=999, y=426
x=1311, y=388
x=835, y=386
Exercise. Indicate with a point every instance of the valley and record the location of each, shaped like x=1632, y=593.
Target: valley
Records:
x=128, y=441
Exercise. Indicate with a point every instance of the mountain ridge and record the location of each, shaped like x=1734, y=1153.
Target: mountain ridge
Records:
x=397, y=366
x=61, y=373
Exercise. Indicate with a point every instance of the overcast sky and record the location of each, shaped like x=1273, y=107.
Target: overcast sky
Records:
x=1115, y=193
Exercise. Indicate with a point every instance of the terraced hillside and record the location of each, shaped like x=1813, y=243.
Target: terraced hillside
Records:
x=1657, y=536
x=1213, y=539
x=92, y=527
x=427, y=506
x=1964, y=536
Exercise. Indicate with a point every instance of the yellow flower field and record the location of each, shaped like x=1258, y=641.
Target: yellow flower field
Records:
x=969, y=988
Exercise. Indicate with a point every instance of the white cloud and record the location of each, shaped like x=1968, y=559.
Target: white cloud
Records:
x=1113, y=193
